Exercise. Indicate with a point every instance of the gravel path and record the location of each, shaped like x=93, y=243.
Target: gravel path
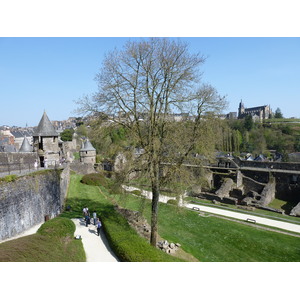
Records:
x=96, y=248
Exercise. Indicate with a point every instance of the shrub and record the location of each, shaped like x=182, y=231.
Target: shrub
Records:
x=9, y=178
x=173, y=202
x=96, y=179
x=136, y=192
x=58, y=227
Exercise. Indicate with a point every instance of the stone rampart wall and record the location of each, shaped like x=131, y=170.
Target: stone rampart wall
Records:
x=26, y=201
x=14, y=161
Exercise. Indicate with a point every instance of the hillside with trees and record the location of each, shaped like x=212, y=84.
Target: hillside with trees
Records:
x=274, y=135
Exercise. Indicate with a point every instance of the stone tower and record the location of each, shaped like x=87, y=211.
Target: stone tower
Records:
x=25, y=146
x=45, y=142
x=87, y=153
x=241, y=109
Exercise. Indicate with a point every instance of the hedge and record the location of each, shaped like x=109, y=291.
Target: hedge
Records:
x=127, y=244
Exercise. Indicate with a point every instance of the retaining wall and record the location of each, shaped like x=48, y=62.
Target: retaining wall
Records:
x=27, y=201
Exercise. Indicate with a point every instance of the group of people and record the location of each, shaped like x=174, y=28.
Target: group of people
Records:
x=96, y=220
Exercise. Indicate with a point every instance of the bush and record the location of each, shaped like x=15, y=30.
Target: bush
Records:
x=9, y=178
x=96, y=179
x=58, y=227
x=136, y=192
x=173, y=202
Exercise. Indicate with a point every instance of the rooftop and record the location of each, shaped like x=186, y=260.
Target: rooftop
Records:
x=45, y=127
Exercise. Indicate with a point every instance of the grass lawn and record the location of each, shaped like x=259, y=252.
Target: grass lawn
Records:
x=213, y=239
x=54, y=242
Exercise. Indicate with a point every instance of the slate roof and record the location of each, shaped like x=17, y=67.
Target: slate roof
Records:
x=45, y=127
x=25, y=146
x=87, y=146
x=7, y=148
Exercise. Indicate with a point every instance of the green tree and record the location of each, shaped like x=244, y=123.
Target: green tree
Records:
x=155, y=78
x=67, y=135
x=278, y=114
x=248, y=123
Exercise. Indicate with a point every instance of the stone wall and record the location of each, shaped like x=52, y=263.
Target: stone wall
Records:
x=268, y=193
x=82, y=168
x=250, y=185
x=27, y=201
x=268, y=164
x=14, y=161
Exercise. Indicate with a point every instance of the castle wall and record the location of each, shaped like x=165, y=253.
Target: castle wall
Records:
x=11, y=161
x=88, y=157
x=50, y=144
x=26, y=201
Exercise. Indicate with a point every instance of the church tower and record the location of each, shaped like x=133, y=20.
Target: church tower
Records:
x=241, y=109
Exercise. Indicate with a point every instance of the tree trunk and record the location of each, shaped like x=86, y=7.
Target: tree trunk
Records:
x=154, y=213
x=155, y=198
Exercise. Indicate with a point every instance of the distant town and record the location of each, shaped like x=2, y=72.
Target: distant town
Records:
x=11, y=138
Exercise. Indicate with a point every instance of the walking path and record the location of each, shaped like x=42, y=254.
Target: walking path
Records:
x=224, y=212
x=96, y=248
x=242, y=216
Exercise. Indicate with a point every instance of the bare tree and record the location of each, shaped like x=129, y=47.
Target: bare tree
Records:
x=141, y=87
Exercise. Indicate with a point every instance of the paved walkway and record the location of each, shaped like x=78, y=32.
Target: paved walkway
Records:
x=224, y=212
x=96, y=248
x=242, y=216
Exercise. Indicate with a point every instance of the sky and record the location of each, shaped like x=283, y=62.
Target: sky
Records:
x=46, y=73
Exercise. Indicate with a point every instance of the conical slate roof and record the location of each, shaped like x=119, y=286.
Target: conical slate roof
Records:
x=87, y=146
x=25, y=146
x=45, y=127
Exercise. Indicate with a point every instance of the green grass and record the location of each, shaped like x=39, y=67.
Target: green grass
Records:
x=277, y=203
x=53, y=242
x=124, y=240
x=212, y=239
x=258, y=211
x=282, y=120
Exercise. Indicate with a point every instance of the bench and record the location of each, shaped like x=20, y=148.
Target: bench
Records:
x=251, y=220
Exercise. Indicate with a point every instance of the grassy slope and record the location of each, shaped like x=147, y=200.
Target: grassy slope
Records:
x=54, y=242
x=213, y=239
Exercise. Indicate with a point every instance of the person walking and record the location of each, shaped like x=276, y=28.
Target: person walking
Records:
x=87, y=221
x=84, y=212
x=95, y=217
x=99, y=225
